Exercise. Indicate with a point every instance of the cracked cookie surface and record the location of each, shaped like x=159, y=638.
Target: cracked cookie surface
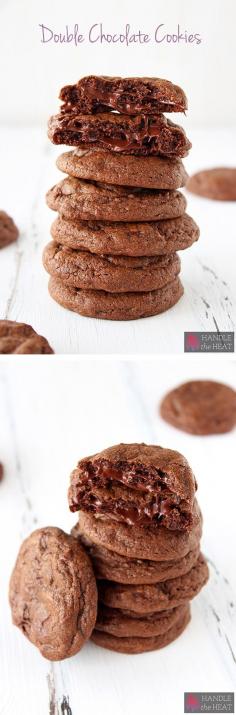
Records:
x=53, y=594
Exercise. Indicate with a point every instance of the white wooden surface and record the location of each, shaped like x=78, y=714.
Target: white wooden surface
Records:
x=51, y=416
x=28, y=171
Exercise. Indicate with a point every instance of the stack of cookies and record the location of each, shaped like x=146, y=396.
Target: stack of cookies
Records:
x=141, y=525
x=121, y=217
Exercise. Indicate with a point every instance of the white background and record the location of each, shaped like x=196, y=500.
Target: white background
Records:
x=35, y=72
x=51, y=416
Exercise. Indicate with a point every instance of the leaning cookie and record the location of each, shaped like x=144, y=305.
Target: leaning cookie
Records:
x=116, y=306
x=124, y=170
x=150, y=238
x=115, y=567
x=139, y=135
x=76, y=199
x=200, y=407
x=20, y=338
x=117, y=274
x=125, y=624
x=160, y=544
x=136, y=484
x=53, y=594
x=133, y=645
x=155, y=597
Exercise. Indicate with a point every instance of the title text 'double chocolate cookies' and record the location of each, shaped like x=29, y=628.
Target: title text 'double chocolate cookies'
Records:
x=53, y=594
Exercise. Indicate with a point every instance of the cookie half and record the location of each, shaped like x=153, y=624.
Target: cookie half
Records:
x=151, y=172
x=76, y=199
x=127, y=95
x=200, y=407
x=116, y=274
x=139, y=135
x=116, y=306
x=155, y=597
x=19, y=338
x=53, y=593
x=115, y=567
x=150, y=238
x=136, y=484
x=136, y=644
x=125, y=624
x=142, y=543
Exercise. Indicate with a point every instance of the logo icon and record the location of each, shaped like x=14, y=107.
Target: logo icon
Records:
x=192, y=703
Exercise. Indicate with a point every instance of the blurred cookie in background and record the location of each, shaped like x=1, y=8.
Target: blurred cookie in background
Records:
x=218, y=184
x=200, y=407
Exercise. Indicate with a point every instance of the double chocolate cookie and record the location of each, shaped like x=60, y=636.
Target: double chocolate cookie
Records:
x=143, y=599
x=136, y=484
x=8, y=230
x=151, y=172
x=116, y=274
x=141, y=135
x=200, y=407
x=142, y=644
x=159, y=544
x=218, y=184
x=127, y=95
x=19, y=338
x=76, y=199
x=115, y=567
x=116, y=306
x=126, y=624
x=53, y=594
x=150, y=238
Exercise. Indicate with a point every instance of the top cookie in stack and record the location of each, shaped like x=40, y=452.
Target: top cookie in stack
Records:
x=121, y=216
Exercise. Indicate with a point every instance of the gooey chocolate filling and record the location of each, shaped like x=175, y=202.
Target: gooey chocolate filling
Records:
x=97, y=94
x=147, y=500
x=144, y=135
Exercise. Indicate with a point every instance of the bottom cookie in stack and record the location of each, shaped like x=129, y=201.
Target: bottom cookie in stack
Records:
x=142, y=644
x=116, y=306
x=117, y=287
